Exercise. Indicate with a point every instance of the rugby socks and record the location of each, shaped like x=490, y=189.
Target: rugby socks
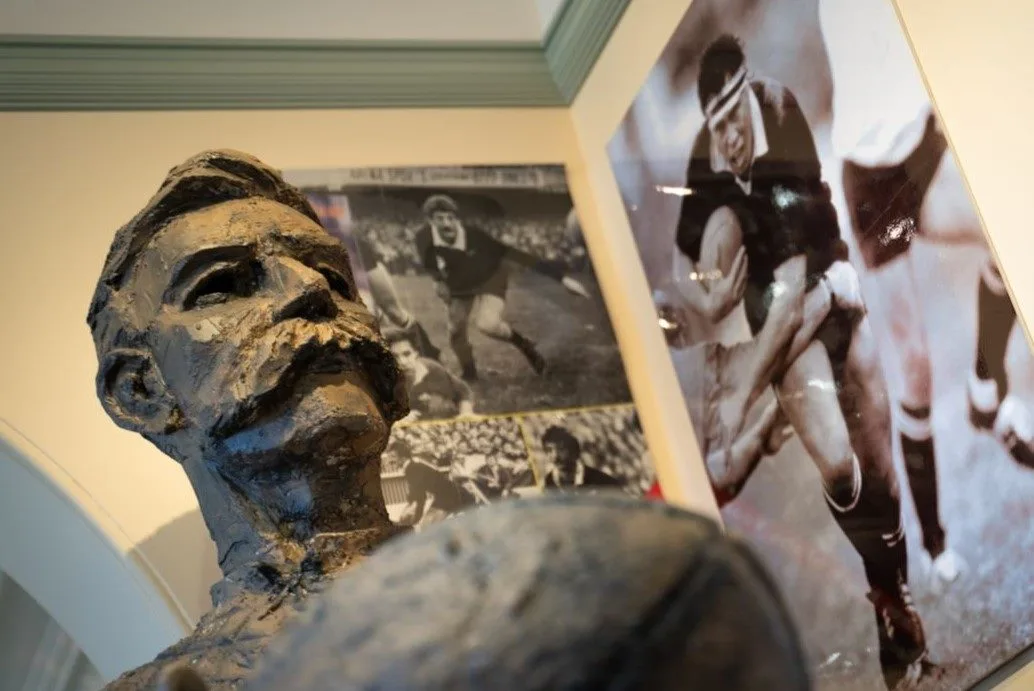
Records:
x=528, y=349
x=464, y=353
x=424, y=344
x=869, y=513
x=995, y=319
x=917, y=451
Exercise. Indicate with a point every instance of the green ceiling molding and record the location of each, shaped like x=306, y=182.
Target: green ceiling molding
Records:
x=577, y=37
x=52, y=73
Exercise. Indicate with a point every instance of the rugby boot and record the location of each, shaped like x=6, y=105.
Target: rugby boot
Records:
x=904, y=658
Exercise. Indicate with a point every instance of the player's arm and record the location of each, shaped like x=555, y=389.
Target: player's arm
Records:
x=713, y=299
x=730, y=470
x=550, y=268
x=416, y=497
x=382, y=288
x=785, y=316
x=702, y=195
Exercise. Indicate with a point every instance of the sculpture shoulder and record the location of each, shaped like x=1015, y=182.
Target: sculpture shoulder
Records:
x=223, y=647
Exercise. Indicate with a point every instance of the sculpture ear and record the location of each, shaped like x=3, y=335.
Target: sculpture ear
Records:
x=134, y=394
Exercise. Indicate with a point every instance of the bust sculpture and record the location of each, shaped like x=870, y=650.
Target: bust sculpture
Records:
x=230, y=334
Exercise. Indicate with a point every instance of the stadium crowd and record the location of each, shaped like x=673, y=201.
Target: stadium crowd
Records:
x=611, y=440
x=497, y=439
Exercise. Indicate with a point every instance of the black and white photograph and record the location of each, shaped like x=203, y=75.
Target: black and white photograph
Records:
x=481, y=280
x=484, y=290
x=858, y=381
x=589, y=450
x=434, y=470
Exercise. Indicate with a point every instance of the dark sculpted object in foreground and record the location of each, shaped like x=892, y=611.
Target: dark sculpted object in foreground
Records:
x=555, y=594
x=229, y=333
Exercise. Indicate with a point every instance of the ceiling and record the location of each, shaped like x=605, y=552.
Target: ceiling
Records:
x=368, y=20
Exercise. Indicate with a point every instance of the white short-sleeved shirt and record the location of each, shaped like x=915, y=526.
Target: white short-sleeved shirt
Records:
x=880, y=104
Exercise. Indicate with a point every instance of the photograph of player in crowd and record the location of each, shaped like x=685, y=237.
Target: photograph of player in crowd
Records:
x=807, y=143
x=471, y=272
x=591, y=450
x=434, y=470
x=434, y=392
x=483, y=270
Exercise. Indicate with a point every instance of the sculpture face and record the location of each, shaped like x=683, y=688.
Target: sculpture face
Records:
x=253, y=322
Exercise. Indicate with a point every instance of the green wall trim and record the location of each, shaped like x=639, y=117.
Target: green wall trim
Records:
x=65, y=73
x=50, y=73
x=577, y=37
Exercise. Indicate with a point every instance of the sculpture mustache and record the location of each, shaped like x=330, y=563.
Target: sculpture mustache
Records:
x=296, y=349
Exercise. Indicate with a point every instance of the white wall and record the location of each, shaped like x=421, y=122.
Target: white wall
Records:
x=444, y=20
x=35, y=652
x=62, y=549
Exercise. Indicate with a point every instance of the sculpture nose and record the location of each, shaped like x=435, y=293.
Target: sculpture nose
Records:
x=304, y=292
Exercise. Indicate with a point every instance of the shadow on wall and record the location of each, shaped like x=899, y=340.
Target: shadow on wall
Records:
x=184, y=556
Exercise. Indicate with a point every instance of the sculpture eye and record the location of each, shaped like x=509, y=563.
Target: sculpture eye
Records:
x=222, y=285
x=338, y=283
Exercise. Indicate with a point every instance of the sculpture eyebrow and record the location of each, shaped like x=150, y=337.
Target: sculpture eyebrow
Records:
x=332, y=252
x=188, y=266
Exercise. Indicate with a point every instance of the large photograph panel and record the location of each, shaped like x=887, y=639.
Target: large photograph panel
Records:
x=851, y=361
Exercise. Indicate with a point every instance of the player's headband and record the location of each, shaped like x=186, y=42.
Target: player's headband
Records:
x=719, y=106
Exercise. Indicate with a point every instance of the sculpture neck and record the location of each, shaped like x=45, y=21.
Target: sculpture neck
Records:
x=283, y=518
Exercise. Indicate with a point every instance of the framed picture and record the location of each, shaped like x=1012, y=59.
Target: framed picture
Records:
x=852, y=363
x=482, y=285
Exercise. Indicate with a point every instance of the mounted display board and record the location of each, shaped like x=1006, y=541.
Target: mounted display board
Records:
x=483, y=286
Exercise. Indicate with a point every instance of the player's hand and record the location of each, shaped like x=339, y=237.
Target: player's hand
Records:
x=845, y=287
x=443, y=291
x=574, y=286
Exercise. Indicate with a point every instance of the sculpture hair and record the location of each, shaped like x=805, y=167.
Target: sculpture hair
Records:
x=204, y=180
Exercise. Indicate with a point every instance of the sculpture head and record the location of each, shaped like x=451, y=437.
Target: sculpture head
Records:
x=229, y=333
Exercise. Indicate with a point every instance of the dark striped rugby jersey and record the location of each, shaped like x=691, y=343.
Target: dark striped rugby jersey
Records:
x=477, y=259
x=787, y=209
